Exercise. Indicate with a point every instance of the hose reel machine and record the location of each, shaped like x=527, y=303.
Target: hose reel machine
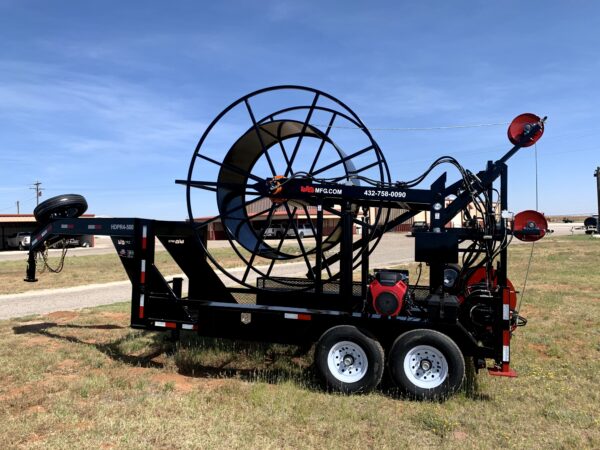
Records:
x=295, y=174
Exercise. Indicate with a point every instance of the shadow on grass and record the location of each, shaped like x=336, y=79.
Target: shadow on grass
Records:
x=111, y=349
x=471, y=383
x=227, y=355
x=200, y=357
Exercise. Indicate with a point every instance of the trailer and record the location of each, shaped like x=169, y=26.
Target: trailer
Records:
x=293, y=160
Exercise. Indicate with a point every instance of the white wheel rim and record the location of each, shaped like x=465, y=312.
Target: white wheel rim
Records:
x=347, y=362
x=425, y=366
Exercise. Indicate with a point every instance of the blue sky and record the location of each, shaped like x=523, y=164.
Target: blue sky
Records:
x=108, y=99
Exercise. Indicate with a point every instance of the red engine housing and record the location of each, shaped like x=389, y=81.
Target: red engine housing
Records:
x=479, y=277
x=388, y=298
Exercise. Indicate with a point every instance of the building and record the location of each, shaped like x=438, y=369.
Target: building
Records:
x=280, y=217
x=26, y=223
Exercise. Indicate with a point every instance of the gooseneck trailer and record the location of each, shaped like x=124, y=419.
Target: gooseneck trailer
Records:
x=310, y=159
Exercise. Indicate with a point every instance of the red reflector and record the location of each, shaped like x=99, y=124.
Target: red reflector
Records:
x=304, y=317
x=518, y=127
x=529, y=226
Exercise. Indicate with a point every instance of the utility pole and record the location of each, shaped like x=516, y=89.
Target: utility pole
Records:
x=597, y=175
x=18, y=210
x=38, y=191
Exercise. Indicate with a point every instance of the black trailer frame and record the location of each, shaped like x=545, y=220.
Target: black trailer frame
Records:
x=213, y=309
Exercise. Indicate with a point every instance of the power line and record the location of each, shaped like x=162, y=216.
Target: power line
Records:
x=6, y=209
x=20, y=205
x=447, y=127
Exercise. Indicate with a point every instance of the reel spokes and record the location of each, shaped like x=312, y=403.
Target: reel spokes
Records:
x=285, y=132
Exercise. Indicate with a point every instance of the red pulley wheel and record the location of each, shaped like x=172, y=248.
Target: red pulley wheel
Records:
x=530, y=226
x=519, y=126
x=479, y=276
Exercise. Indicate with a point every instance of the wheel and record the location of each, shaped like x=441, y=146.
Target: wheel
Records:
x=348, y=361
x=61, y=206
x=426, y=364
x=21, y=246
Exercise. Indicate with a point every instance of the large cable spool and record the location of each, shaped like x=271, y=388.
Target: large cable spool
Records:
x=281, y=131
x=231, y=193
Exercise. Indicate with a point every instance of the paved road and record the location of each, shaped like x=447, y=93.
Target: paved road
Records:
x=46, y=301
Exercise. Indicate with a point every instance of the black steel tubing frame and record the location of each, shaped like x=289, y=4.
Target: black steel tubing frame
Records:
x=210, y=308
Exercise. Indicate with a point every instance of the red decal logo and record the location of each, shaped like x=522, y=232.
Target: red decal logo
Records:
x=309, y=189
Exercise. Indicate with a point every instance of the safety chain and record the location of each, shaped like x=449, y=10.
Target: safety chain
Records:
x=44, y=257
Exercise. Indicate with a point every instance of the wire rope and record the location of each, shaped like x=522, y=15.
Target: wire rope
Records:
x=533, y=243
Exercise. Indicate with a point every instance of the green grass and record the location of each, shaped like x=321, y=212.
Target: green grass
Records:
x=81, y=270
x=84, y=379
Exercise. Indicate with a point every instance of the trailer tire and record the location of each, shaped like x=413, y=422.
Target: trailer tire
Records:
x=426, y=364
x=348, y=361
x=61, y=206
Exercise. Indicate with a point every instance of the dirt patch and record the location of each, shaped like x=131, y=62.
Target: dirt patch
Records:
x=48, y=345
x=116, y=316
x=36, y=409
x=13, y=392
x=540, y=349
x=68, y=366
x=63, y=315
x=460, y=435
x=183, y=383
x=35, y=341
x=179, y=382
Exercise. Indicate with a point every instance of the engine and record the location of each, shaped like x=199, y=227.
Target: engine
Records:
x=388, y=291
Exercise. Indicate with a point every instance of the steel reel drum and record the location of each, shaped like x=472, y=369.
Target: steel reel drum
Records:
x=281, y=131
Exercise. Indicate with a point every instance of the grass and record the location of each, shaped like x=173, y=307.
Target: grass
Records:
x=106, y=268
x=84, y=379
